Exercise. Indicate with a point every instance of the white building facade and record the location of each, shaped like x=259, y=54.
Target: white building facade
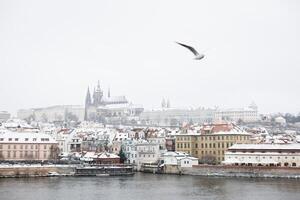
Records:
x=287, y=155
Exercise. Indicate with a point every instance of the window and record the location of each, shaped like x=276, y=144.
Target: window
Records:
x=1, y=139
x=9, y=139
x=26, y=139
x=16, y=139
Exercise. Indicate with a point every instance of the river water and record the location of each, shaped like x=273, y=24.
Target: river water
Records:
x=148, y=186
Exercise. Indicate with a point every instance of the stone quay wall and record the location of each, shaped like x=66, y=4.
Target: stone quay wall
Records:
x=34, y=171
x=242, y=171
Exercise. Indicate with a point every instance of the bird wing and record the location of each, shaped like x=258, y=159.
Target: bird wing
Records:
x=190, y=48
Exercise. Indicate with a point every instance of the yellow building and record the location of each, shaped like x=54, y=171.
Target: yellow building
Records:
x=211, y=143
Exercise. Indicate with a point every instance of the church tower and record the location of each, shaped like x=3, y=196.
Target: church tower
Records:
x=88, y=102
x=97, y=96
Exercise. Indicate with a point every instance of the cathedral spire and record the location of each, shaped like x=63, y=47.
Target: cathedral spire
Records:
x=88, y=97
x=88, y=103
x=98, y=86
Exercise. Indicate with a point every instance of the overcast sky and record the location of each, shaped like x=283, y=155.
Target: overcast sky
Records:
x=50, y=52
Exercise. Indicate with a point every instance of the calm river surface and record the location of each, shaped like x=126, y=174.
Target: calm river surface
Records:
x=148, y=186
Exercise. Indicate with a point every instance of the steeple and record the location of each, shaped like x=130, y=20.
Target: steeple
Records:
x=108, y=93
x=97, y=96
x=88, y=100
x=163, y=103
x=98, y=86
x=168, y=103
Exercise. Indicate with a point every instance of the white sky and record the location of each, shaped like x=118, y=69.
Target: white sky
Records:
x=51, y=51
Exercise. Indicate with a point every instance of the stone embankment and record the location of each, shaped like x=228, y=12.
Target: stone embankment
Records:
x=242, y=171
x=36, y=170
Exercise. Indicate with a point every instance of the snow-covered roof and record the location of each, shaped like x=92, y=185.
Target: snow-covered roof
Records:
x=114, y=99
x=25, y=137
x=294, y=146
x=107, y=155
x=235, y=110
x=16, y=123
x=174, y=154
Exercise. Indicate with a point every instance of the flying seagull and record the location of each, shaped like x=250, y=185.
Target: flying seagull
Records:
x=197, y=55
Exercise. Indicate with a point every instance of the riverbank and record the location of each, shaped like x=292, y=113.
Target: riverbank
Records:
x=242, y=171
x=20, y=171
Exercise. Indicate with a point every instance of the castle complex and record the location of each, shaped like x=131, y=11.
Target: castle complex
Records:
x=109, y=109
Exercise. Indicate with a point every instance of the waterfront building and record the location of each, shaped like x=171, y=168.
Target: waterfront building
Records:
x=211, y=141
x=287, y=155
x=177, y=159
x=147, y=153
x=20, y=146
x=100, y=158
x=4, y=116
x=139, y=152
x=130, y=150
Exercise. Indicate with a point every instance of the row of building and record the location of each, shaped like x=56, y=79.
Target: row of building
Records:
x=219, y=143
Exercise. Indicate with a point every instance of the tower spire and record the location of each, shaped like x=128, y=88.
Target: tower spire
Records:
x=108, y=92
x=88, y=103
x=98, y=86
x=88, y=97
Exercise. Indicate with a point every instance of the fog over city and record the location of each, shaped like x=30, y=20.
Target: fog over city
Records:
x=50, y=52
